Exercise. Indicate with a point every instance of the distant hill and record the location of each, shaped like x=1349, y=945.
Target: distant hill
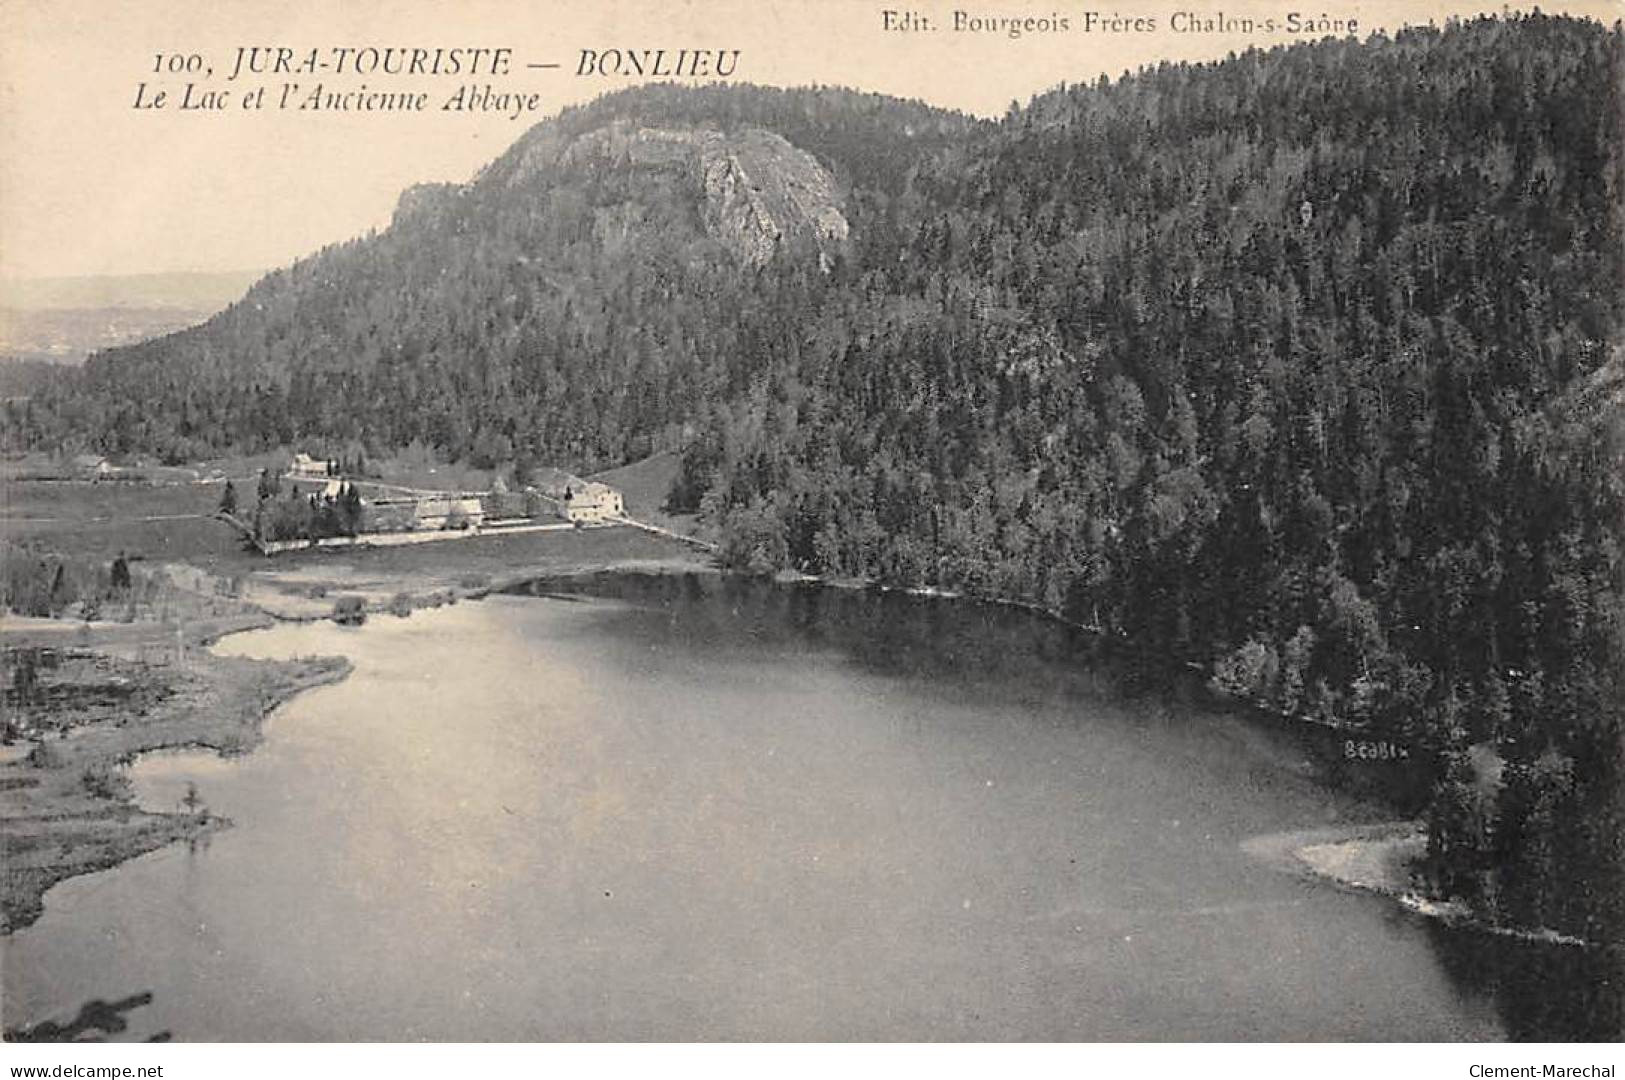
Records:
x=183, y=291
x=68, y=335
x=63, y=320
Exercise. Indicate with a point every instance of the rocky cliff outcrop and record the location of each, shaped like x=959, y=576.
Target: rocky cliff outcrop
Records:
x=756, y=192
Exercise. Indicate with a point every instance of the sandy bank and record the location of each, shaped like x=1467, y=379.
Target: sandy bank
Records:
x=1382, y=858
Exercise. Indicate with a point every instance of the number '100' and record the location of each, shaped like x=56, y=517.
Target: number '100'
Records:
x=176, y=64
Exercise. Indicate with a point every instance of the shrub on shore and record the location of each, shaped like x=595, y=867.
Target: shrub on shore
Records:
x=349, y=611
x=103, y=782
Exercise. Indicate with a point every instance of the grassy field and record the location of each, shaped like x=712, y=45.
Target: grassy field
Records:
x=170, y=523
x=36, y=465
x=79, y=501
x=164, y=523
x=644, y=485
x=472, y=565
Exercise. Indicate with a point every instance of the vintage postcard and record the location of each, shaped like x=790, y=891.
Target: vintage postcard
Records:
x=792, y=521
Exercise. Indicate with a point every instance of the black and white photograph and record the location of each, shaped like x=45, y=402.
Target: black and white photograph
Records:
x=809, y=522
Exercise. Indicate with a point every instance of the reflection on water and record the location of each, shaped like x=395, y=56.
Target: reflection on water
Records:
x=712, y=809
x=98, y=1016
x=1545, y=993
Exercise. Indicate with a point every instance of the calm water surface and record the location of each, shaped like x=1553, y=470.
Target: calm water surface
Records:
x=713, y=810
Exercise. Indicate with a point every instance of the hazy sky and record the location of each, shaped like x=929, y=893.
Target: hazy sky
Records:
x=89, y=184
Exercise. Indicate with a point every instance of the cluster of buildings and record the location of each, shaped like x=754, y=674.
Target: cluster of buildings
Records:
x=556, y=495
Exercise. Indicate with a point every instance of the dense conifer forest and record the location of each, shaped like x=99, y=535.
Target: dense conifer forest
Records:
x=1302, y=366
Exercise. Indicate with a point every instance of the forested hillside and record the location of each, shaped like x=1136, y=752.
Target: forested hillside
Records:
x=575, y=302
x=1258, y=364
x=1301, y=366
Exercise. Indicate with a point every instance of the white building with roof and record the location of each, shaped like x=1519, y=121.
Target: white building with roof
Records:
x=592, y=503
x=305, y=465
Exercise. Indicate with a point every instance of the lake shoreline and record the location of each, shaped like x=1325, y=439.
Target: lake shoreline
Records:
x=66, y=803
x=57, y=828
x=93, y=833
x=66, y=806
x=487, y=810
x=307, y=590
x=1382, y=859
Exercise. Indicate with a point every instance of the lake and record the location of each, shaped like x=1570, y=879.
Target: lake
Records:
x=703, y=808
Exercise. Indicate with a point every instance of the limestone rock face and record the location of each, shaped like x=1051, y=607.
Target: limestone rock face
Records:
x=754, y=191
x=759, y=190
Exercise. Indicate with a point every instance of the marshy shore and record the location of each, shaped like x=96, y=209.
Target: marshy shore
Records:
x=93, y=699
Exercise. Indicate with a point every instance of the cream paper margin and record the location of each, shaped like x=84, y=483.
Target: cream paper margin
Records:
x=89, y=184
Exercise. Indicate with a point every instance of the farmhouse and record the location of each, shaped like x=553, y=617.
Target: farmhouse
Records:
x=591, y=502
x=305, y=465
